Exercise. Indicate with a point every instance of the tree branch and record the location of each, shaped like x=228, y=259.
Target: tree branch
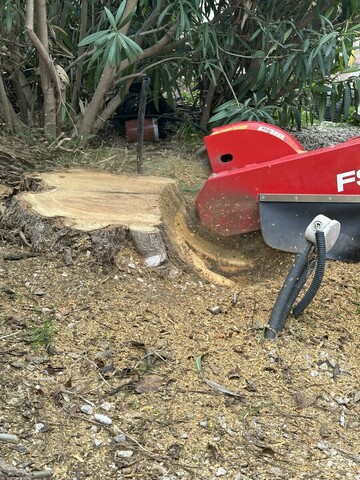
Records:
x=29, y=26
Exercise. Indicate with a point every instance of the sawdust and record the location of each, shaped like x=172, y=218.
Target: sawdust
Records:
x=176, y=362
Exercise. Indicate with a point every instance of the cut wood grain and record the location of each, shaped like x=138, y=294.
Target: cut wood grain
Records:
x=57, y=209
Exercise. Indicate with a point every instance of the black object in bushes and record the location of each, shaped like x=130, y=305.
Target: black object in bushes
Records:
x=129, y=108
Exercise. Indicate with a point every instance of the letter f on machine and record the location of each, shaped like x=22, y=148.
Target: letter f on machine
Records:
x=347, y=177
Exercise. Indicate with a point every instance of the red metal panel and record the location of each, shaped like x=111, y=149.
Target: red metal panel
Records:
x=244, y=143
x=228, y=202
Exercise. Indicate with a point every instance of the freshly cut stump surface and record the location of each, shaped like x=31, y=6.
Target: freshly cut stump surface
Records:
x=104, y=208
x=88, y=199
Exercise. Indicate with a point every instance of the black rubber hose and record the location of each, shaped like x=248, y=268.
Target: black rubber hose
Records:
x=291, y=288
x=318, y=276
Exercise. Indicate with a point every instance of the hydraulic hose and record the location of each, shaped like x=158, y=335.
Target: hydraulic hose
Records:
x=291, y=288
x=318, y=276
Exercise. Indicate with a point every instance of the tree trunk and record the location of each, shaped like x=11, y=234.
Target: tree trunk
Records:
x=12, y=121
x=208, y=101
x=47, y=86
x=81, y=50
x=50, y=77
x=105, y=82
x=5, y=107
x=22, y=90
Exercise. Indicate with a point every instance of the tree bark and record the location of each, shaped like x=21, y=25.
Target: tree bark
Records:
x=208, y=101
x=97, y=210
x=12, y=121
x=105, y=82
x=47, y=70
x=5, y=107
x=23, y=91
x=46, y=83
x=81, y=50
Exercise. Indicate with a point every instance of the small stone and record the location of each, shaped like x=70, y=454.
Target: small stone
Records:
x=106, y=406
x=39, y=426
x=125, y=453
x=46, y=311
x=185, y=436
x=324, y=431
x=21, y=449
x=314, y=373
x=97, y=442
x=220, y=472
x=121, y=438
x=88, y=409
x=322, y=446
x=215, y=310
x=204, y=423
x=173, y=273
x=68, y=259
x=103, y=419
x=39, y=293
x=342, y=417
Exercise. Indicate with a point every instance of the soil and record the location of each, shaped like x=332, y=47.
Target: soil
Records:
x=164, y=374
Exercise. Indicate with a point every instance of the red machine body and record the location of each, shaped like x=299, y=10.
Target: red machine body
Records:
x=253, y=158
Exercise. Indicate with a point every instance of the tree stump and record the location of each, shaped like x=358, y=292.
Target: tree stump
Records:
x=63, y=210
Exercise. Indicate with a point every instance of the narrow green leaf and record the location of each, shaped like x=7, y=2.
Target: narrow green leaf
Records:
x=165, y=12
x=92, y=38
x=111, y=18
x=346, y=100
x=120, y=11
x=260, y=77
x=198, y=364
x=288, y=33
x=95, y=56
x=127, y=19
x=306, y=44
x=344, y=52
x=286, y=68
x=259, y=54
x=9, y=17
x=110, y=53
x=131, y=49
x=325, y=39
x=255, y=34
x=322, y=66
x=309, y=65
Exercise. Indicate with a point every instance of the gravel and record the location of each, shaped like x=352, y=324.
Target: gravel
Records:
x=325, y=135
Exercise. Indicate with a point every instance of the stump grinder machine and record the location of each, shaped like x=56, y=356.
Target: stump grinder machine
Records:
x=263, y=179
